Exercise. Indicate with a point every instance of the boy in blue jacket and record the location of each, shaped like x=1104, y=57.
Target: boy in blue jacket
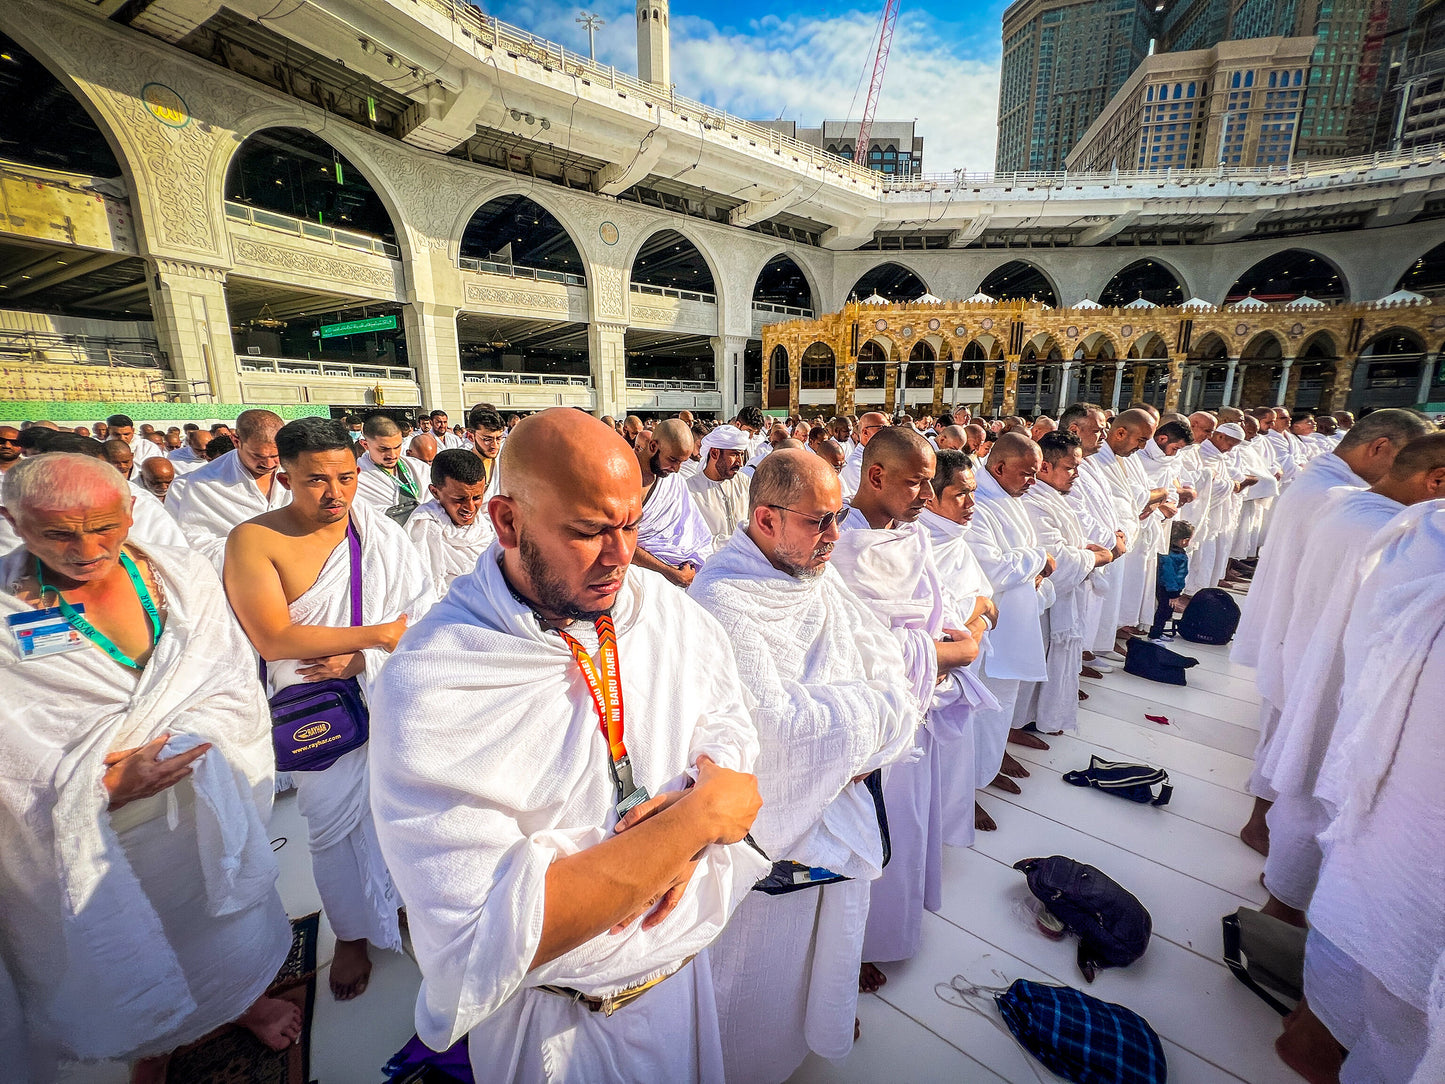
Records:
x=1173, y=571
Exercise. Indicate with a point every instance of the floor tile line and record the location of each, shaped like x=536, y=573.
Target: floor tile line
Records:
x=933, y=1031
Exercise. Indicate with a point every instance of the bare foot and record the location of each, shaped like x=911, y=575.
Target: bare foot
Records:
x=1130, y=630
x=870, y=979
x=350, y=970
x=857, y=1029
x=1308, y=1048
x=1284, y=912
x=1090, y=672
x=1083, y=695
x=1005, y=784
x=150, y=1070
x=982, y=822
x=275, y=1022
x=1028, y=739
x=1013, y=769
x=1089, y=656
x=1256, y=833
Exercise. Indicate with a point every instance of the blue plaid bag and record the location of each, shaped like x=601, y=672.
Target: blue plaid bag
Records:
x=1082, y=1038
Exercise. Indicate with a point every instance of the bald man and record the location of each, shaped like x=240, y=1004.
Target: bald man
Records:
x=833, y=704
x=1043, y=424
x=156, y=475
x=234, y=488
x=975, y=437
x=392, y=483
x=673, y=538
x=831, y=452
x=632, y=428
x=547, y=883
x=886, y=556
x=118, y=454
x=191, y=455
x=1130, y=498
x=424, y=448
x=952, y=438
x=868, y=425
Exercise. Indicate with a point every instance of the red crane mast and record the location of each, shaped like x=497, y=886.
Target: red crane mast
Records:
x=875, y=84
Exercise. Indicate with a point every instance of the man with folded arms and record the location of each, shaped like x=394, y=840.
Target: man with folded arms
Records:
x=719, y=491
x=140, y=889
x=452, y=530
x=886, y=558
x=289, y=575
x=832, y=703
x=388, y=481
x=672, y=538
x=561, y=916
x=1361, y=460
x=229, y=490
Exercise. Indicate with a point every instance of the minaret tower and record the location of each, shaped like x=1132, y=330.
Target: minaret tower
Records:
x=654, y=59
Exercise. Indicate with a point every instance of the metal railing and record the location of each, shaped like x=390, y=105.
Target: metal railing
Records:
x=786, y=310
x=512, y=271
x=533, y=379
x=252, y=363
x=40, y=347
x=495, y=34
x=635, y=383
x=668, y=291
x=312, y=231
x=165, y=389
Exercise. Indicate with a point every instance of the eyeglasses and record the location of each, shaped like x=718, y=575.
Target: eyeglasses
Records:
x=8, y=440
x=823, y=522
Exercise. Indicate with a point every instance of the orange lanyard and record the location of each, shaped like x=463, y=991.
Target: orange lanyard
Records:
x=606, y=689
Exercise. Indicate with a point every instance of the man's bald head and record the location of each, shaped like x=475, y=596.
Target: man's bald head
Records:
x=675, y=435
x=258, y=426
x=156, y=474
x=1371, y=446
x=788, y=443
x=974, y=436
x=895, y=446
x=831, y=452
x=118, y=455
x=1014, y=463
x=1418, y=472
x=785, y=476
x=953, y=438
x=571, y=491
x=792, y=494
x=1130, y=431
x=424, y=447
x=72, y=512
x=1011, y=446
x=1229, y=414
x=869, y=425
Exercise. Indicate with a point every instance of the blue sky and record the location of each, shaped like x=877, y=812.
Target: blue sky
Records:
x=806, y=62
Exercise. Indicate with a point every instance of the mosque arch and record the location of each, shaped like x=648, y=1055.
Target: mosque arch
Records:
x=873, y=359
x=671, y=259
x=1096, y=342
x=1286, y=275
x=1020, y=280
x=517, y=231
x=1264, y=346
x=890, y=280
x=1320, y=345
x=921, y=360
x=784, y=281
x=982, y=348
x=1426, y=274
x=1151, y=278
x=1393, y=341
x=819, y=366
x=1149, y=346
x=291, y=170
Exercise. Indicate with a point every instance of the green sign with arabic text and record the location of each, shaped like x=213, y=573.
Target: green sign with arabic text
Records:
x=358, y=327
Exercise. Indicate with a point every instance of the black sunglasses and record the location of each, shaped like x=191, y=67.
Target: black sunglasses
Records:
x=823, y=522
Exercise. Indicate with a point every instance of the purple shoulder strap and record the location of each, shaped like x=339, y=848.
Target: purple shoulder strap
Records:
x=354, y=542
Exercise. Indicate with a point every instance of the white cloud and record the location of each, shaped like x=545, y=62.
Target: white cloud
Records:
x=806, y=69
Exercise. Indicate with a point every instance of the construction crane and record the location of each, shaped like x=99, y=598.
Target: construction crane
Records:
x=875, y=84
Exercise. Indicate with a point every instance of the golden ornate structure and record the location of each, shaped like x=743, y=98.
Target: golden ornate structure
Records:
x=1164, y=355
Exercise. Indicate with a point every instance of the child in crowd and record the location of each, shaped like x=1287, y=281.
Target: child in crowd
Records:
x=1173, y=571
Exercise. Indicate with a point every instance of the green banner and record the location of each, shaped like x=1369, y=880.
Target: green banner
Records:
x=358, y=327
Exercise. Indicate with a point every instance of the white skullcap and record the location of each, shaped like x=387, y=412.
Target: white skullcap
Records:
x=1231, y=429
x=727, y=437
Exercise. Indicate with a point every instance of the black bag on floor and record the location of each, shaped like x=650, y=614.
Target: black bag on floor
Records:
x=1113, y=927
x=1211, y=617
x=1267, y=955
x=1146, y=659
x=1135, y=782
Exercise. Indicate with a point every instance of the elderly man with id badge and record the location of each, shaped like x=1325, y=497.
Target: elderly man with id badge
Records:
x=562, y=792
x=140, y=890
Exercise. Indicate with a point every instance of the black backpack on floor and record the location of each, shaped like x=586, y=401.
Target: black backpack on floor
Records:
x=1113, y=927
x=1210, y=618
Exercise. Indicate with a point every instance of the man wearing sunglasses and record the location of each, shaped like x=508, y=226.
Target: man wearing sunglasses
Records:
x=832, y=704
x=886, y=556
x=9, y=447
x=868, y=426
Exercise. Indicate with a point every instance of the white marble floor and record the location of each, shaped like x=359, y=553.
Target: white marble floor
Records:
x=1183, y=861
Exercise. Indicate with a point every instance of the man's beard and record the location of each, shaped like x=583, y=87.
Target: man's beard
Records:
x=801, y=570
x=655, y=464
x=551, y=593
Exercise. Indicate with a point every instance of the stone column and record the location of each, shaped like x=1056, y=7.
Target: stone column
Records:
x=1118, y=385
x=1341, y=386
x=990, y=375
x=846, y=386
x=1141, y=374
x=432, y=349
x=1176, y=384
x=1289, y=383
x=940, y=378
x=193, y=326
x=1066, y=375
x=890, y=387
x=1230, y=367
x=1010, y=385
x=607, y=358
x=795, y=380
x=1427, y=378
x=727, y=354
x=953, y=400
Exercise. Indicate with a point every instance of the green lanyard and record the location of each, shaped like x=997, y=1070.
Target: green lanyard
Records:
x=404, y=482
x=90, y=632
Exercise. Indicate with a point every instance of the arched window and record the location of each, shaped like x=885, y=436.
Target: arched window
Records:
x=819, y=367
x=778, y=368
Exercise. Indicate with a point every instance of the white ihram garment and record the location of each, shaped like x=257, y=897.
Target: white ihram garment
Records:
x=448, y=551
x=185, y=460
x=492, y=766
x=1112, y=477
x=831, y=702
x=1094, y=508
x=1334, y=561
x=892, y=571
x=1378, y=901
x=851, y=477
x=1054, y=703
x=1008, y=549
x=356, y=890
x=963, y=582
x=722, y=505
x=382, y=489
x=671, y=529
x=1267, y=609
x=130, y=933
x=1211, y=526
x=1136, y=600
x=216, y=498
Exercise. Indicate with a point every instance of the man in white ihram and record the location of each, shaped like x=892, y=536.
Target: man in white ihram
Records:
x=392, y=483
x=140, y=890
x=832, y=703
x=719, y=491
x=232, y=489
x=452, y=530
x=672, y=538
x=558, y=925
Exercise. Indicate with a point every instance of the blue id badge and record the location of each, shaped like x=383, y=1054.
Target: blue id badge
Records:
x=45, y=632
